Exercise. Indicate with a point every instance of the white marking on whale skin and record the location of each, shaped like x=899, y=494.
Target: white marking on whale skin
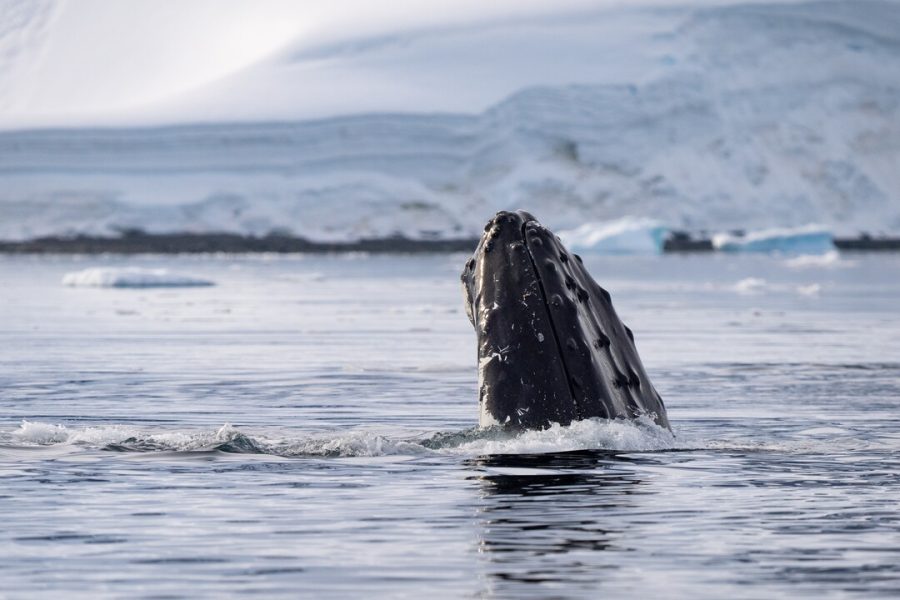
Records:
x=467, y=303
x=486, y=311
x=540, y=336
x=485, y=418
x=483, y=362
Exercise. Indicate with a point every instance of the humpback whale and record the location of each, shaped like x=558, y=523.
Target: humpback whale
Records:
x=551, y=348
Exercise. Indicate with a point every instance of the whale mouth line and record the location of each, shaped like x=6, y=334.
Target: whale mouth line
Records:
x=546, y=302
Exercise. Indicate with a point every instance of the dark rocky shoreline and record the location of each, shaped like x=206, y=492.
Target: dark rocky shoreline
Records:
x=137, y=242
x=680, y=241
x=195, y=243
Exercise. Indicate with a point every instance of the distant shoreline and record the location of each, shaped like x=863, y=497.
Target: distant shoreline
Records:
x=202, y=243
x=230, y=243
x=680, y=242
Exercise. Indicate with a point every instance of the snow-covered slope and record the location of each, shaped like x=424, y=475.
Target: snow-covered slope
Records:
x=696, y=115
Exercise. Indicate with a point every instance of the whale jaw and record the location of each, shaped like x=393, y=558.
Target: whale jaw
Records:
x=551, y=348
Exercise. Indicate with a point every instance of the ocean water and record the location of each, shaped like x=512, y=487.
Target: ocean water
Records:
x=306, y=428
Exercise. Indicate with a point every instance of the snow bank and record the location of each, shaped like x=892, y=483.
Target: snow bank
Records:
x=811, y=239
x=710, y=115
x=130, y=277
x=623, y=236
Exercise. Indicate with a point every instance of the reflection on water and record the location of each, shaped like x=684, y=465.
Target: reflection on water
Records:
x=552, y=518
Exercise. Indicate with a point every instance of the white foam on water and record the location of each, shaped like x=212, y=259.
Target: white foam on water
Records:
x=353, y=443
x=640, y=435
x=41, y=433
x=130, y=277
x=44, y=434
x=32, y=433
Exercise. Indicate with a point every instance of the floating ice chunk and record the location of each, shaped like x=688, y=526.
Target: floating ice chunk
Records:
x=809, y=239
x=812, y=289
x=628, y=235
x=130, y=277
x=828, y=260
x=750, y=285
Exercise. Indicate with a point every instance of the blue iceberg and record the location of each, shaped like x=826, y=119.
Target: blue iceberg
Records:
x=809, y=239
x=628, y=235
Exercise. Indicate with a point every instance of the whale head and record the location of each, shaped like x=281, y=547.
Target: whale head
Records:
x=551, y=348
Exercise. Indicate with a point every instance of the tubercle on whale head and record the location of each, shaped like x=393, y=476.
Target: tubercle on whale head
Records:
x=503, y=234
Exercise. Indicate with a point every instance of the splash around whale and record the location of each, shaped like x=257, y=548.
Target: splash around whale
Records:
x=551, y=348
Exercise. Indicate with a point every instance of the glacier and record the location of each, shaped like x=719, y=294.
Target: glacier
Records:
x=700, y=116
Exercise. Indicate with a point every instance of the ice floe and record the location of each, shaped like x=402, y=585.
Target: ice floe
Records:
x=130, y=277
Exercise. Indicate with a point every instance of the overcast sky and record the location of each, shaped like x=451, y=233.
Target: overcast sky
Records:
x=96, y=54
x=73, y=57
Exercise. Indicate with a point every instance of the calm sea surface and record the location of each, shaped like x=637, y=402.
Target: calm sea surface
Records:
x=305, y=428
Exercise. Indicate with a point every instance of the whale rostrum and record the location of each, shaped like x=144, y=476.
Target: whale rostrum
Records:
x=551, y=348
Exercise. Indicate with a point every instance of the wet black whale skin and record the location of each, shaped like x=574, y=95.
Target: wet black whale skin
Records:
x=551, y=348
